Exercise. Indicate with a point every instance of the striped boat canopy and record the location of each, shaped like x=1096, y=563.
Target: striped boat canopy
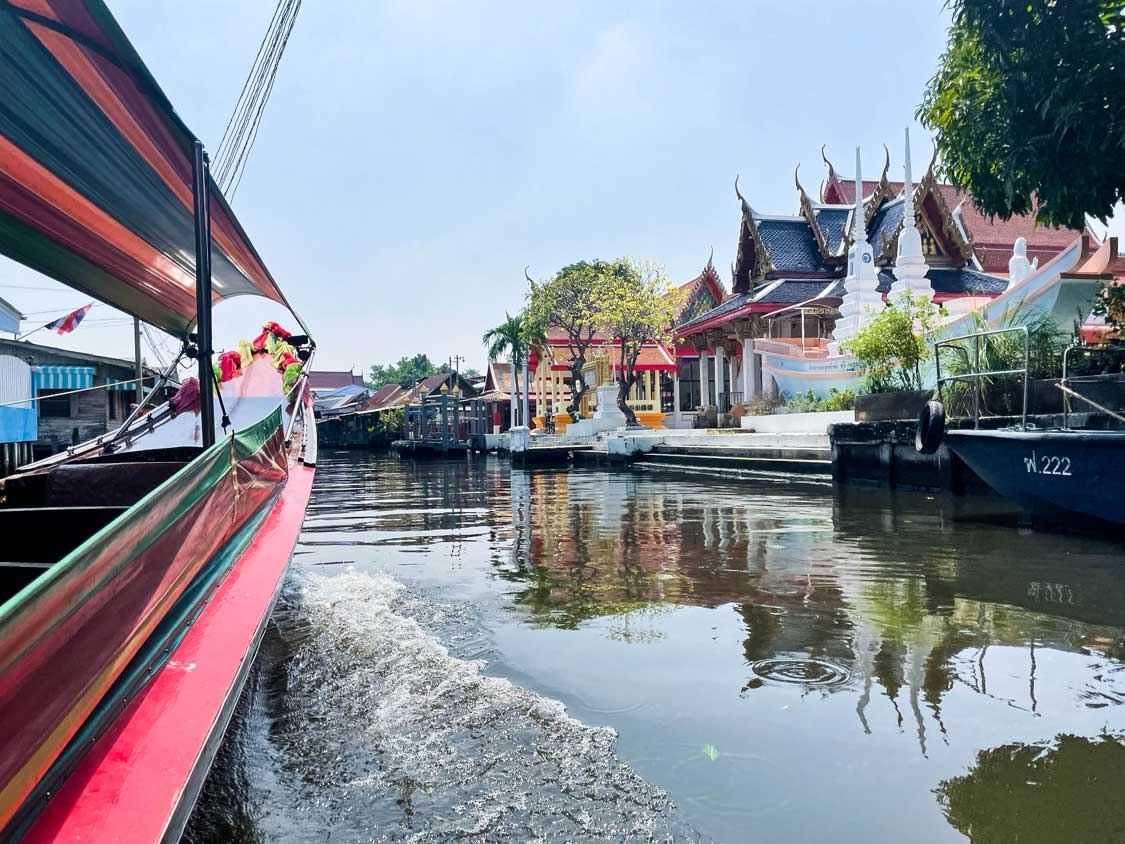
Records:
x=62, y=377
x=96, y=170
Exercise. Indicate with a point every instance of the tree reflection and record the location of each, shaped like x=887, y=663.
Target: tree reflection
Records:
x=1071, y=791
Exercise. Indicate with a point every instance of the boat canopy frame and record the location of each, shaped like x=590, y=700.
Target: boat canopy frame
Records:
x=977, y=374
x=1070, y=393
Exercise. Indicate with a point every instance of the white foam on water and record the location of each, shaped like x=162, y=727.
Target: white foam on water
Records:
x=383, y=735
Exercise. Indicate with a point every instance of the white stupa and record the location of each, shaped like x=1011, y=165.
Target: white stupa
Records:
x=860, y=287
x=910, y=264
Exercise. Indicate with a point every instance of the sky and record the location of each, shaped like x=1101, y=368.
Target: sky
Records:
x=416, y=155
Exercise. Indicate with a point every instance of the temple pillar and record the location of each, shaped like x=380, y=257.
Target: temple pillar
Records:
x=676, y=397
x=720, y=386
x=704, y=386
x=748, y=361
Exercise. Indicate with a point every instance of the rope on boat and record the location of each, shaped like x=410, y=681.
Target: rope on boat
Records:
x=72, y=392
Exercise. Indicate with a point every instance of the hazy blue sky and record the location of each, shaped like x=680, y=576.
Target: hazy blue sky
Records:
x=415, y=155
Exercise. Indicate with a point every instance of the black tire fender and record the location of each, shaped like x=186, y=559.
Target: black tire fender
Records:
x=931, y=427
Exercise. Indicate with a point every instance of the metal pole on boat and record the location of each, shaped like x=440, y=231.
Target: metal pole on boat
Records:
x=199, y=173
x=137, y=359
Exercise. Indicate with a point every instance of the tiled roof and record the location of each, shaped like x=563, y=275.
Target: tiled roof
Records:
x=384, y=396
x=949, y=282
x=832, y=222
x=731, y=304
x=791, y=245
x=501, y=377
x=792, y=291
x=330, y=380
x=651, y=357
x=885, y=221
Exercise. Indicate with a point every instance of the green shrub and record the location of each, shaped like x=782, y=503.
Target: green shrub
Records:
x=891, y=347
x=809, y=403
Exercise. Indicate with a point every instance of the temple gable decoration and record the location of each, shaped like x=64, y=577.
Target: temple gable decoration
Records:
x=753, y=260
x=703, y=293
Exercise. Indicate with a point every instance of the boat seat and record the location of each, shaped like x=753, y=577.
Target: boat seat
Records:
x=105, y=484
x=15, y=576
x=86, y=483
x=47, y=534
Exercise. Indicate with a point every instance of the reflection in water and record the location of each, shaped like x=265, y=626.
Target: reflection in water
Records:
x=909, y=601
x=1068, y=790
x=769, y=653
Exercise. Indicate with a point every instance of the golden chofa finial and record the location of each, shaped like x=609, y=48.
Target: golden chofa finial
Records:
x=797, y=180
x=746, y=209
x=824, y=158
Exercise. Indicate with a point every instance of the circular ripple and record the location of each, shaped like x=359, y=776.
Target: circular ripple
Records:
x=805, y=672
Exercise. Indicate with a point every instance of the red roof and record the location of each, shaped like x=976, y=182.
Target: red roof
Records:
x=992, y=237
x=499, y=377
x=651, y=358
x=333, y=380
x=384, y=396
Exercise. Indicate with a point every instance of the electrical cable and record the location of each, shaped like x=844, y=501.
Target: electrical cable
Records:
x=242, y=128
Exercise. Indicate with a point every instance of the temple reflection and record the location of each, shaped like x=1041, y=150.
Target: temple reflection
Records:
x=895, y=596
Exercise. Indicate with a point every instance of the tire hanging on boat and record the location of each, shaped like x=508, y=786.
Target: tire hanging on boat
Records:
x=931, y=427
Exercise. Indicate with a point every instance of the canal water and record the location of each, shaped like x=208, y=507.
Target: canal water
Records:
x=470, y=652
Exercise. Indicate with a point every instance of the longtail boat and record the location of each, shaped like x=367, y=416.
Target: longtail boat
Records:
x=137, y=570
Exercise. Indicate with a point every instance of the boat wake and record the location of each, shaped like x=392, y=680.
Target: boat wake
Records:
x=368, y=729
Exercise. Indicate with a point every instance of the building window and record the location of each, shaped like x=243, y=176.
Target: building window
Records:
x=54, y=406
x=667, y=394
x=689, y=383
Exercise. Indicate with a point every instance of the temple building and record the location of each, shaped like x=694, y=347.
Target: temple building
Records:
x=788, y=294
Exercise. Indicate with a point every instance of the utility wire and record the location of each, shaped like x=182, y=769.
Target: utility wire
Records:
x=242, y=128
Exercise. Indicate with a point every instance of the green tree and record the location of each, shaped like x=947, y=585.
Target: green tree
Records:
x=891, y=346
x=1029, y=99
x=638, y=307
x=567, y=301
x=509, y=338
x=407, y=371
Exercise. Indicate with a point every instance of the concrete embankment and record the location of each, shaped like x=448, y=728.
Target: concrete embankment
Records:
x=789, y=452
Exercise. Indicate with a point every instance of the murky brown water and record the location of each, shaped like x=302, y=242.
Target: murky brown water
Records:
x=739, y=660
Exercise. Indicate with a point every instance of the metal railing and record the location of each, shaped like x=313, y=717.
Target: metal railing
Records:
x=728, y=400
x=445, y=420
x=1069, y=393
x=976, y=375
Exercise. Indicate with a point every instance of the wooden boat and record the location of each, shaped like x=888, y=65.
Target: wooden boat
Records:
x=137, y=571
x=1052, y=472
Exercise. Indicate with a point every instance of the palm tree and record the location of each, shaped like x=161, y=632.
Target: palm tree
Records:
x=508, y=338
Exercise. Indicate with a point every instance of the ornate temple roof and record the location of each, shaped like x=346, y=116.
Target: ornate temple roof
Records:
x=952, y=283
x=787, y=260
x=792, y=245
x=992, y=238
x=832, y=220
x=795, y=291
x=702, y=293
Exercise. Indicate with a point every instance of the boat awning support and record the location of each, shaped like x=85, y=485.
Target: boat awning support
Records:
x=202, y=196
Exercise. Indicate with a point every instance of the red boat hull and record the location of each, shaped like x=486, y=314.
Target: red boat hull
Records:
x=139, y=781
